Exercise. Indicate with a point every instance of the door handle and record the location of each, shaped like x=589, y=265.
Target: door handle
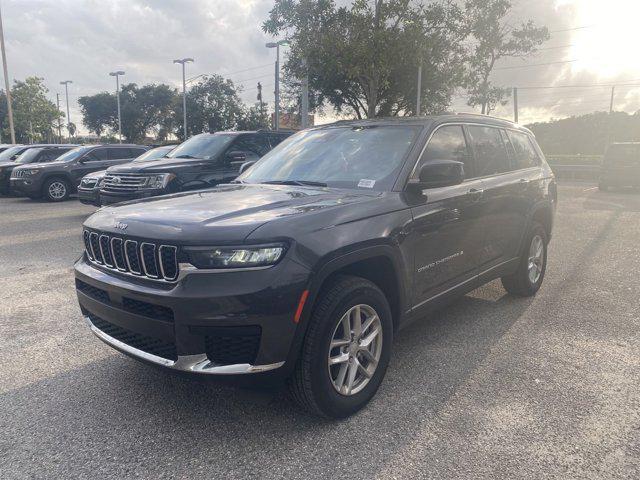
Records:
x=475, y=194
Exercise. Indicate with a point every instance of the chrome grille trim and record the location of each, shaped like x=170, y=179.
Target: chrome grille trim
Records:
x=117, y=254
x=175, y=257
x=126, y=256
x=144, y=263
x=92, y=236
x=114, y=246
x=104, y=257
x=124, y=182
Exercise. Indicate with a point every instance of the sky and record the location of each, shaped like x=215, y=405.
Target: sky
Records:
x=592, y=42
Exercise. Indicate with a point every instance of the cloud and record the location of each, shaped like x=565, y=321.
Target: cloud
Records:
x=83, y=40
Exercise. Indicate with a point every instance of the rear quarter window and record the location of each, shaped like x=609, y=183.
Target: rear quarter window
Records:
x=525, y=155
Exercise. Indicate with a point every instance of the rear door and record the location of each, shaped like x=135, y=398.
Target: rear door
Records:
x=505, y=195
x=447, y=230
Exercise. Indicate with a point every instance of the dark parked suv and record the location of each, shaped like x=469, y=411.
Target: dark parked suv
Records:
x=18, y=155
x=203, y=161
x=55, y=181
x=621, y=166
x=306, y=266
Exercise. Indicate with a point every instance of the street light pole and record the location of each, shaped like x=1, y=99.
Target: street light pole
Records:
x=183, y=61
x=66, y=92
x=6, y=83
x=276, y=45
x=117, y=74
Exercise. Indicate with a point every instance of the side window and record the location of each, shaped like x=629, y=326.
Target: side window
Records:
x=119, y=153
x=136, y=152
x=490, y=151
x=49, y=155
x=447, y=143
x=256, y=144
x=276, y=139
x=96, y=155
x=525, y=154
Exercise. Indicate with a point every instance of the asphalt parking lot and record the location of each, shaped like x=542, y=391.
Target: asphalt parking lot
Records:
x=491, y=387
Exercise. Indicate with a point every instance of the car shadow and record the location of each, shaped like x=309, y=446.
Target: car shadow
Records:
x=117, y=416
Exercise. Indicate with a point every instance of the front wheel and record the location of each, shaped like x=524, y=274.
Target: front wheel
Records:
x=56, y=190
x=346, y=349
x=533, y=265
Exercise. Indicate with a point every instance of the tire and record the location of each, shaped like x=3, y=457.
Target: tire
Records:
x=314, y=384
x=523, y=282
x=56, y=189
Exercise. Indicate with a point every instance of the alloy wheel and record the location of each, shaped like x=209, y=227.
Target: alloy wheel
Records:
x=536, y=258
x=355, y=349
x=57, y=190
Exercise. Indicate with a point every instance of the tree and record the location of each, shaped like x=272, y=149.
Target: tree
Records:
x=213, y=104
x=252, y=119
x=364, y=59
x=143, y=109
x=99, y=112
x=34, y=115
x=494, y=38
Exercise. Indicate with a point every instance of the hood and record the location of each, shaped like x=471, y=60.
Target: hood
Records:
x=39, y=165
x=225, y=214
x=8, y=164
x=97, y=175
x=157, y=166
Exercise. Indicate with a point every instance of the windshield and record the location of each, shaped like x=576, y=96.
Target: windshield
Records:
x=28, y=156
x=204, y=146
x=72, y=154
x=343, y=157
x=10, y=152
x=154, y=154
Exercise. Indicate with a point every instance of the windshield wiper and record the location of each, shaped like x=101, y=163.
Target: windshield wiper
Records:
x=184, y=156
x=303, y=183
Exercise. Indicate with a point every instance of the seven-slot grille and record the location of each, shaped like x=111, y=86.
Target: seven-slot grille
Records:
x=17, y=173
x=123, y=182
x=131, y=256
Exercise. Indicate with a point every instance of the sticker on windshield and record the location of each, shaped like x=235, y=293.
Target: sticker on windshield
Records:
x=364, y=183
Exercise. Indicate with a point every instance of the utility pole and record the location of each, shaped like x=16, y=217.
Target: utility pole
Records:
x=418, y=99
x=259, y=98
x=117, y=75
x=184, y=61
x=515, y=104
x=6, y=82
x=610, y=122
x=304, y=110
x=66, y=91
x=277, y=45
x=59, y=123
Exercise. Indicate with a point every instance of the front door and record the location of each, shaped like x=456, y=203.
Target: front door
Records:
x=447, y=229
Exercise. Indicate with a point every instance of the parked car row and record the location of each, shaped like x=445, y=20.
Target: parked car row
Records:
x=107, y=174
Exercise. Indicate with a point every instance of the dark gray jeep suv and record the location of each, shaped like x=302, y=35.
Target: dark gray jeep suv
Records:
x=304, y=268
x=56, y=180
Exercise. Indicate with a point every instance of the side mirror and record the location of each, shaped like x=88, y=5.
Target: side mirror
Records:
x=236, y=156
x=437, y=174
x=245, y=166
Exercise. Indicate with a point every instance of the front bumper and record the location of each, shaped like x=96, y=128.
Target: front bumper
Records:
x=25, y=186
x=215, y=318
x=89, y=196
x=109, y=198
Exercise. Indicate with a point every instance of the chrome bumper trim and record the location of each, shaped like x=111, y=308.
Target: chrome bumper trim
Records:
x=186, y=363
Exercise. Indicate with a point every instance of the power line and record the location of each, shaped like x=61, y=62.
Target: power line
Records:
x=555, y=48
x=536, y=65
x=594, y=85
x=572, y=29
x=232, y=73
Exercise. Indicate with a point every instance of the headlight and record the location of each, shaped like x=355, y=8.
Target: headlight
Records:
x=159, y=181
x=30, y=171
x=100, y=182
x=234, y=257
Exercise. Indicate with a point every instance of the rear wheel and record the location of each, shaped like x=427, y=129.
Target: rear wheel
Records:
x=533, y=265
x=346, y=349
x=56, y=190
